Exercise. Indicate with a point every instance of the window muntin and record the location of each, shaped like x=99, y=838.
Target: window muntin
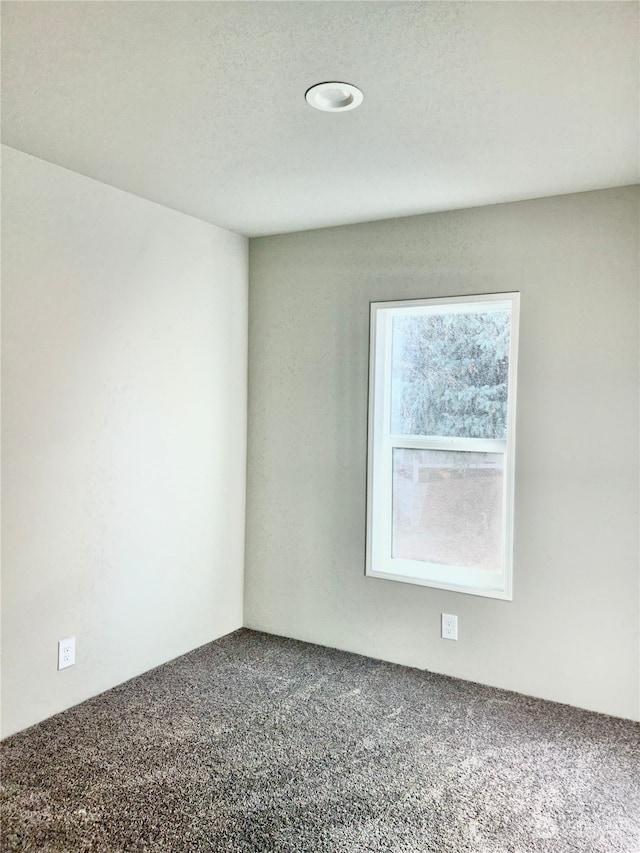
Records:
x=441, y=423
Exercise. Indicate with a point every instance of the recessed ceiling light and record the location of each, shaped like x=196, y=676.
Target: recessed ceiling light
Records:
x=334, y=97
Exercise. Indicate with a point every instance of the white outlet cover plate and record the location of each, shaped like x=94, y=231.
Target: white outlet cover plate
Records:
x=449, y=626
x=66, y=652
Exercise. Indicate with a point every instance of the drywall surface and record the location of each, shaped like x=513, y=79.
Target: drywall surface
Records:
x=124, y=435
x=571, y=632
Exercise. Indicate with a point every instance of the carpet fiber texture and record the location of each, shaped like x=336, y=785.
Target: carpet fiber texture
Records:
x=257, y=743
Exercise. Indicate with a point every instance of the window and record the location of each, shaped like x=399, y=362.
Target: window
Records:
x=441, y=442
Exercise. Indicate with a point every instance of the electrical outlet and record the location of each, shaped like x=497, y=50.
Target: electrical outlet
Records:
x=449, y=626
x=66, y=652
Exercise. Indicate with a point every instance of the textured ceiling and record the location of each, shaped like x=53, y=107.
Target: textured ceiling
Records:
x=200, y=105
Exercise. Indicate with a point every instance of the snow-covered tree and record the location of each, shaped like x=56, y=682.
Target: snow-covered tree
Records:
x=449, y=374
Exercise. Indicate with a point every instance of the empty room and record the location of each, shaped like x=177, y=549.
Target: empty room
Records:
x=320, y=427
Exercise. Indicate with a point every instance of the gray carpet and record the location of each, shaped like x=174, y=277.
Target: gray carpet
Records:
x=256, y=743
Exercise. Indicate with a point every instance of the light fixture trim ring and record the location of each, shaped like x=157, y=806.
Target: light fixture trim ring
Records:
x=334, y=96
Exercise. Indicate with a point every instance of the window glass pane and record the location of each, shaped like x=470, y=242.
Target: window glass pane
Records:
x=449, y=374
x=447, y=507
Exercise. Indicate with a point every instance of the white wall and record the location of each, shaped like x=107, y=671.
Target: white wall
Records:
x=124, y=424
x=571, y=632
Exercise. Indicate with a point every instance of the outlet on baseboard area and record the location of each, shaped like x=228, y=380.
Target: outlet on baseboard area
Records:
x=449, y=626
x=66, y=652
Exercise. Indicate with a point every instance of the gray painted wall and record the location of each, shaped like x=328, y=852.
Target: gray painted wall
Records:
x=124, y=426
x=571, y=632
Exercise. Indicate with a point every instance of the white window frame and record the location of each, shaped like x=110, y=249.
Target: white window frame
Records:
x=379, y=560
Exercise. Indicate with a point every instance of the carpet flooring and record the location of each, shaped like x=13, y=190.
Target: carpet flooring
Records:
x=257, y=743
